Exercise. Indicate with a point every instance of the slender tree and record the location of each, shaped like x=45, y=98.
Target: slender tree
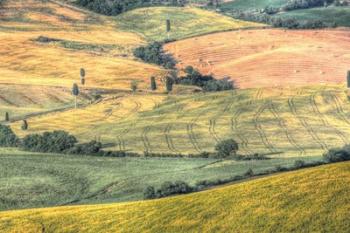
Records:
x=82, y=76
x=153, y=83
x=169, y=82
x=133, y=86
x=168, y=27
x=24, y=125
x=75, y=92
x=348, y=79
x=7, y=116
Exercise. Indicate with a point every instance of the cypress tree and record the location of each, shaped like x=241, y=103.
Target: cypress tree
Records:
x=75, y=92
x=348, y=79
x=153, y=84
x=82, y=76
x=169, y=84
x=7, y=117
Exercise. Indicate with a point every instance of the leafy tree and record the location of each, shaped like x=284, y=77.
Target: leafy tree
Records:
x=24, y=125
x=7, y=116
x=75, y=92
x=169, y=82
x=153, y=83
x=7, y=137
x=226, y=148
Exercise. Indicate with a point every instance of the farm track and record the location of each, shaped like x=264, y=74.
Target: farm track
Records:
x=240, y=135
x=283, y=126
x=339, y=109
x=323, y=119
x=304, y=123
x=260, y=129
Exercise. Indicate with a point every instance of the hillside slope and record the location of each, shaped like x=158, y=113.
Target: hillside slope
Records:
x=269, y=58
x=310, y=200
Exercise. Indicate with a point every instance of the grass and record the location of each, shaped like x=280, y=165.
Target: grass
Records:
x=331, y=14
x=291, y=122
x=186, y=22
x=20, y=101
x=39, y=180
x=309, y=200
x=248, y=5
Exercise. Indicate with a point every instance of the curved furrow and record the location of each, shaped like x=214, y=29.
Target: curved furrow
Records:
x=323, y=119
x=284, y=127
x=240, y=135
x=304, y=123
x=260, y=129
x=339, y=109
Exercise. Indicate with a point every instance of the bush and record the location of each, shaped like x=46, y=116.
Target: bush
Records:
x=299, y=164
x=168, y=189
x=206, y=82
x=7, y=137
x=149, y=193
x=89, y=148
x=249, y=172
x=154, y=53
x=226, y=148
x=338, y=154
x=56, y=142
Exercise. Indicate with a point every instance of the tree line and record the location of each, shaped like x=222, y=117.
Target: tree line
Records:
x=115, y=7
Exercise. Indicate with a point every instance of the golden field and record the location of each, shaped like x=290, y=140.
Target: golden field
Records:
x=285, y=122
x=269, y=57
x=308, y=200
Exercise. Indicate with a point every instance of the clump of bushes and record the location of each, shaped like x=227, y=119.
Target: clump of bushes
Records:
x=206, y=82
x=167, y=189
x=338, y=154
x=226, y=148
x=154, y=53
x=55, y=142
x=7, y=137
x=45, y=39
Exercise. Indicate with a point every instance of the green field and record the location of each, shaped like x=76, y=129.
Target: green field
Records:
x=37, y=180
x=338, y=15
x=248, y=5
x=309, y=200
x=186, y=22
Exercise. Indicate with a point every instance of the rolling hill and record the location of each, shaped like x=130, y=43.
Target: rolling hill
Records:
x=281, y=121
x=31, y=180
x=185, y=22
x=269, y=58
x=310, y=200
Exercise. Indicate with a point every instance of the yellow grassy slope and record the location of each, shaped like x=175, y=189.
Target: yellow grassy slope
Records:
x=24, y=61
x=310, y=200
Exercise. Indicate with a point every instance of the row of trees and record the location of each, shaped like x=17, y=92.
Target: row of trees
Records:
x=115, y=7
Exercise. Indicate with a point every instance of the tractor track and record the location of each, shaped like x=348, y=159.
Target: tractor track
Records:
x=283, y=126
x=304, y=123
x=260, y=129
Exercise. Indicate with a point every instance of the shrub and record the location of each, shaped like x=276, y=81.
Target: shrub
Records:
x=338, y=154
x=168, y=189
x=56, y=141
x=149, y=192
x=133, y=86
x=154, y=53
x=249, y=172
x=299, y=164
x=7, y=137
x=206, y=82
x=90, y=148
x=226, y=148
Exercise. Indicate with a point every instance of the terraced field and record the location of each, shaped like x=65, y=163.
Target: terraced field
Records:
x=285, y=122
x=282, y=203
x=186, y=22
x=268, y=58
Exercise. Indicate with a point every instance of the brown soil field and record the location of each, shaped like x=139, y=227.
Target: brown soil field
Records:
x=268, y=58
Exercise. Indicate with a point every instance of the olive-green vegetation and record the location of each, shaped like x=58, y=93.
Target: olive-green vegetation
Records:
x=35, y=180
x=309, y=200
